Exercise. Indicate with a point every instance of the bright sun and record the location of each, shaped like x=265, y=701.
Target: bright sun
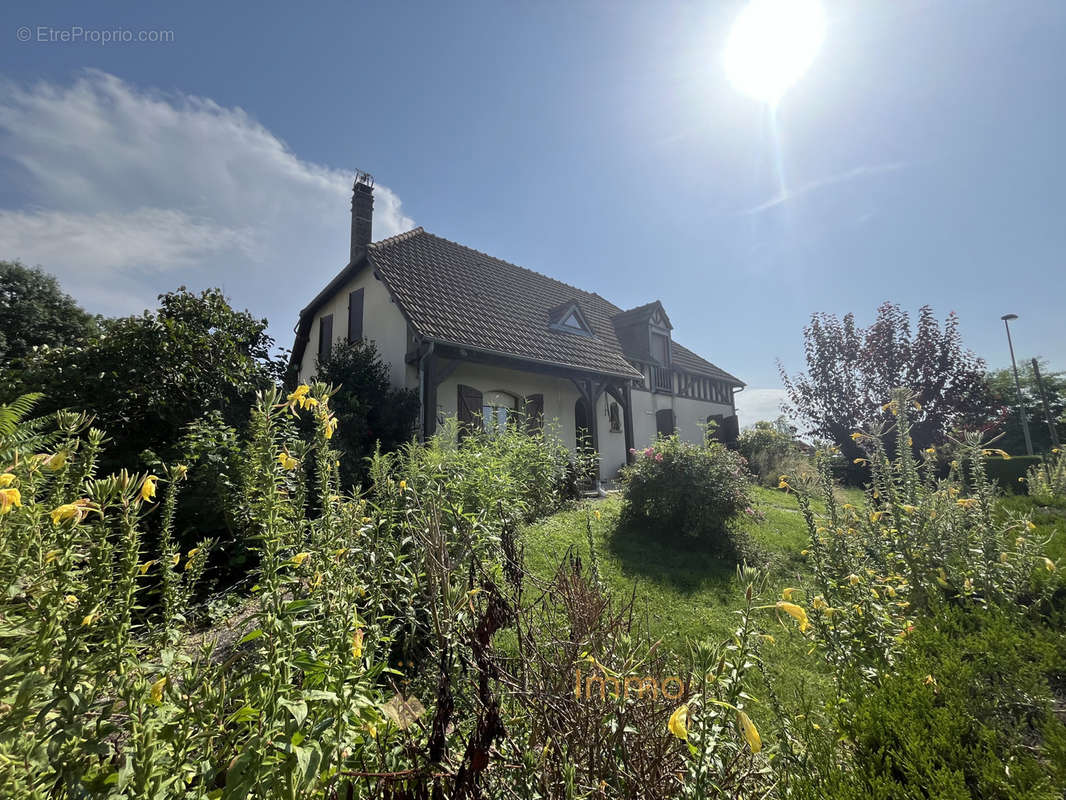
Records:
x=772, y=44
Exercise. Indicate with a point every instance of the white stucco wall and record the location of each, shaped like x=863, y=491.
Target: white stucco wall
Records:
x=383, y=324
x=690, y=415
x=560, y=399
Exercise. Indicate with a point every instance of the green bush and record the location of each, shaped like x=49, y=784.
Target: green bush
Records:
x=965, y=714
x=679, y=488
x=1010, y=473
x=771, y=452
x=1048, y=479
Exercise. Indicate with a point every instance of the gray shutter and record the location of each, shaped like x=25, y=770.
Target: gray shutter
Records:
x=730, y=429
x=664, y=422
x=355, y=315
x=325, y=337
x=535, y=412
x=469, y=409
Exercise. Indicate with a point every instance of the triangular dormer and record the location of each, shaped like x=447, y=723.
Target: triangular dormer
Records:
x=568, y=318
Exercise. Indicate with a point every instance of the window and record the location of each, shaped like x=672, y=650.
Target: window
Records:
x=569, y=319
x=325, y=336
x=660, y=348
x=665, y=423
x=614, y=412
x=355, y=315
x=498, y=411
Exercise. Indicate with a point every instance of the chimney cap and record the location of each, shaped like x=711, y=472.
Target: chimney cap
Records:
x=364, y=178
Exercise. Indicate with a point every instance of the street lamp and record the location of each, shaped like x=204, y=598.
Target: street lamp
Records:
x=1018, y=385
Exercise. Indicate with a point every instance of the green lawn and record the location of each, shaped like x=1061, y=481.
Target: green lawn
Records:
x=684, y=592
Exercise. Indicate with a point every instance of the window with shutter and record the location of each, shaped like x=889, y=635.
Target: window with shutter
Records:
x=355, y=315
x=325, y=336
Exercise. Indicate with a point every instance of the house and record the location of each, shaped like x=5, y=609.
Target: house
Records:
x=493, y=343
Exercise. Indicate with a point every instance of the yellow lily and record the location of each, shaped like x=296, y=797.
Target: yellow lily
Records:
x=10, y=498
x=678, y=724
x=357, y=643
x=749, y=731
x=156, y=692
x=796, y=612
x=148, y=487
x=6, y=480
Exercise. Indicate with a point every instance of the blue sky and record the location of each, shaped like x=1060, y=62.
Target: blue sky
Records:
x=600, y=143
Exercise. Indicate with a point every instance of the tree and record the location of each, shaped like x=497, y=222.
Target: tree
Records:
x=145, y=378
x=369, y=410
x=34, y=311
x=852, y=371
x=1005, y=419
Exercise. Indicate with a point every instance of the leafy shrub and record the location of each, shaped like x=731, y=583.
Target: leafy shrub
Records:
x=771, y=451
x=1048, y=479
x=1009, y=473
x=921, y=602
x=371, y=412
x=966, y=713
x=679, y=488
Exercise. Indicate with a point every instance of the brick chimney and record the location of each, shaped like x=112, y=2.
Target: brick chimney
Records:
x=362, y=214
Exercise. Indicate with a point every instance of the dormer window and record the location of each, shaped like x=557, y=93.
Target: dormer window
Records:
x=569, y=319
x=660, y=348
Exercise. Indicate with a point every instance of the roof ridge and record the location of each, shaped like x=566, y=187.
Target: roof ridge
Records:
x=399, y=237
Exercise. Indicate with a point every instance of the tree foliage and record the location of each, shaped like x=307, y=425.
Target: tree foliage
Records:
x=851, y=372
x=146, y=377
x=371, y=412
x=34, y=311
x=1005, y=399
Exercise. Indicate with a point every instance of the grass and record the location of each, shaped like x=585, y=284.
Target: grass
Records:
x=682, y=593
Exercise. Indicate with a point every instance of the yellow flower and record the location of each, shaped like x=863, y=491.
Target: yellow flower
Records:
x=856, y=436
x=6, y=480
x=853, y=579
x=148, y=487
x=88, y=619
x=796, y=612
x=597, y=514
x=751, y=734
x=156, y=692
x=678, y=724
x=75, y=511
x=143, y=568
x=51, y=556
x=179, y=472
x=860, y=461
x=331, y=426
x=287, y=462
x=357, y=643
x=1029, y=525
x=403, y=485
x=783, y=484
x=819, y=603
x=930, y=451
x=875, y=516
x=299, y=394
x=175, y=560
x=192, y=553
x=10, y=498
x=909, y=509
x=1049, y=564
x=71, y=599
x=300, y=558
x=787, y=594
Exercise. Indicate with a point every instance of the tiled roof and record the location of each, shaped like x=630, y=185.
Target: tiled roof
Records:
x=457, y=295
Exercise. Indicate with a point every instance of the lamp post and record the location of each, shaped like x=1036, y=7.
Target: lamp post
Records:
x=1018, y=385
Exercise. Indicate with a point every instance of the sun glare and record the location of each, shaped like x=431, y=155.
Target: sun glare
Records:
x=772, y=44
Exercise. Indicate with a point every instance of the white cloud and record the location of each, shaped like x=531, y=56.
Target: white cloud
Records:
x=126, y=192
x=759, y=404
